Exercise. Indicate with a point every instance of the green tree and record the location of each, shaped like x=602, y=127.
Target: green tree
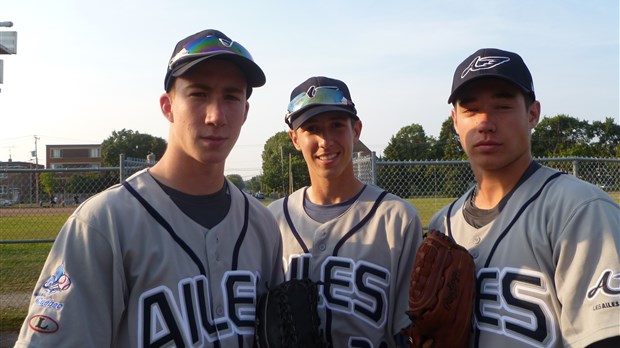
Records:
x=409, y=144
x=48, y=183
x=448, y=146
x=606, y=138
x=91, y=183
x=132, y=144
x=237, y=180
x=255, y=183
x=562, y=136
x=276, y=164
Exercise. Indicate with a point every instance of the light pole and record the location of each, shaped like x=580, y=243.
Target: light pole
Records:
x=8, y=44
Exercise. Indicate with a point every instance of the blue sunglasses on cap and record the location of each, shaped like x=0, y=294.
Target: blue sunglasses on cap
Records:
x=324, y=95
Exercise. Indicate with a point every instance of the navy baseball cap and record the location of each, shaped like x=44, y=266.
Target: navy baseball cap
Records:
x=209, y=44
x=493, y=62
x=318, y=95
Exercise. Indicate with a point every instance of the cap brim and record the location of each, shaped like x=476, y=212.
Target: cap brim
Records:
x=253, y=73
x=475, y=78
x=316, y=110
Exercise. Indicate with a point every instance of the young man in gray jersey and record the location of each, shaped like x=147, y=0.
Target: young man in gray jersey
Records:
x=545, y=243
x=177, y=254
x=356, y=239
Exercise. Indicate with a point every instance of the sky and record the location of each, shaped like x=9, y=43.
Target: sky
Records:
x=84, y=69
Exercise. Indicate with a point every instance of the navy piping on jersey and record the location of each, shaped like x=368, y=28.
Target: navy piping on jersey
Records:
x=371, y=213
x=287, y=215
x=501, y=236
x=244, y=230
x=160, y=219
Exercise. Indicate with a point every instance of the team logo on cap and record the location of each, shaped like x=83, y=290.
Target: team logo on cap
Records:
x=484, y=63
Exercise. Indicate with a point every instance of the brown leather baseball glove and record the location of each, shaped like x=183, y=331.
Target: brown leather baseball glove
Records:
x=441, y=294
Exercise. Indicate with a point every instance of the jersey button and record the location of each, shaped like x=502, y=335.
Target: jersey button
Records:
x=476, y=240
x=474, y=254
x=219, y=311
x=322, y=247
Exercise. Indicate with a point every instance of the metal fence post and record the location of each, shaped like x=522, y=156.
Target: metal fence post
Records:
x=373, y=168
x=121, y=165
x=576, y=168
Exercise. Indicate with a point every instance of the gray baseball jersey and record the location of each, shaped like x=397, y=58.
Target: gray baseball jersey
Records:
x=129, y=269
x=363, y=258
x=548, y=273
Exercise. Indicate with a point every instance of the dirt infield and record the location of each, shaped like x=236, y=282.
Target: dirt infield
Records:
x=27, y=211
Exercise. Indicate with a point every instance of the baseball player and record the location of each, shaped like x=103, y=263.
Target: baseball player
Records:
x=176, y=255
x=356, y=239
x=545, y=243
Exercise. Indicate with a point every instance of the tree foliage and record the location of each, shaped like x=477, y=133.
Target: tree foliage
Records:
x=254, y=184
x=606, y=137
x=562, y=136
x=409, y=144
x=276, y=165
x=48, y=182
x=237, y=180
x=558, y=136
x=132, y=144
x=448, y=146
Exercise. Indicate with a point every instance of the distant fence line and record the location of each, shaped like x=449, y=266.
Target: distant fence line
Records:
x=418, y=179
x=35, y=204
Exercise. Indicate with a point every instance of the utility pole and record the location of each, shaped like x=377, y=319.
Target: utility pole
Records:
x=36, y=167
x=290, y=174
x=36, y=152
x=8, y=44
x=282, y=169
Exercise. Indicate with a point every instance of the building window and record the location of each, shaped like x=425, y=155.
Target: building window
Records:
x=4, y=175
x=3, y=190
x=95, y=153
x=56, y=153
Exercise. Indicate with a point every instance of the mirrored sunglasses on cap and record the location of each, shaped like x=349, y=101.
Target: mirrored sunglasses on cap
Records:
x=324, y=95
x=210, y=45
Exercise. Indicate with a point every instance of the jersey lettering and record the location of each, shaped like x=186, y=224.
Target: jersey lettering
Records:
x=605, y=285
x=357, y=288
x=513, y=302
x=298, y=266
x=191, y=320
x=363, y=342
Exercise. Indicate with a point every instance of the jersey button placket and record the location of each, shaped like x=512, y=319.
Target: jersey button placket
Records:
x=217, y=248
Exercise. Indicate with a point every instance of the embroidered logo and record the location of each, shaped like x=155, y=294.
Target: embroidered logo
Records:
x=484, y=63
x=43, y=324
x=608, y=284
x=59, y=281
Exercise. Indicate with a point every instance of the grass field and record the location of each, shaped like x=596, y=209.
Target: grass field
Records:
x=21, y=263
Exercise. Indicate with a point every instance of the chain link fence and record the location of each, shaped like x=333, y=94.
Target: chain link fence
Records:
x=34, y=204
x=430, y=185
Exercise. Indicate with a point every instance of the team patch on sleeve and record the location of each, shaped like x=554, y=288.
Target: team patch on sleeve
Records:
x=606, y=291
x=59, y=281
x=43, y=324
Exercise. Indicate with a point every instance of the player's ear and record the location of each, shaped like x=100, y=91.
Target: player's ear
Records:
x=533, y=112
x=454, y=120
x=165, y=104
x=357, y=129
x=293, y=135
x=247, y=109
